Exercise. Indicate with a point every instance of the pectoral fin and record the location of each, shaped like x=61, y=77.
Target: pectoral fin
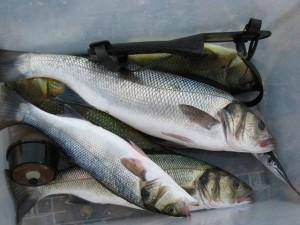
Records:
x=137, y=148
x=198, y=116
x=135, y=166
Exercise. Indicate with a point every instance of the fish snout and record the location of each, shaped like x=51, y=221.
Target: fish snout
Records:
x=267, y=144
x=183, y=209
x=245, y=199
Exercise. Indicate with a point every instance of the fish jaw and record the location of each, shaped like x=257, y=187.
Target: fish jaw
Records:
x=162, y=198
x=244, y=131
x=267, y=145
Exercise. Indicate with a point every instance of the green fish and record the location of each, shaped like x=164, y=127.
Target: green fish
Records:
x=210, y=186
x=220, y=65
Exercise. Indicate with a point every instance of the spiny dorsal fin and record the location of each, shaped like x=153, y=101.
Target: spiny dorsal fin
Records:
x=72, y=199
x=137, y=148
x=70, y=96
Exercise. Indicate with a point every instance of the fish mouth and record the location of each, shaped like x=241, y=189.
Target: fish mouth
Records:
x=280, y=173
x=267, y=144
x=184, y=210
x=245, y=199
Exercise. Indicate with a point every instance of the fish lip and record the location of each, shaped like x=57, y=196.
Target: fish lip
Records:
x=185, y=210
x=267, y=144
x=245, y=199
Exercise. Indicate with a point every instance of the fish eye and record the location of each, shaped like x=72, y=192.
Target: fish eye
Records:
x=269, y=161
x=261, y=125
x=235, y=184
x=171, y=210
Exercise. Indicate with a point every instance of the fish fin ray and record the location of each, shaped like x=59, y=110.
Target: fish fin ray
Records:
x=178, y=137
x=72, y=199
x=9, y=66
x=198, y=116
x=10, y=113
x=70, y=112
x=137, y=148
x=135, y=166
x=70, y=96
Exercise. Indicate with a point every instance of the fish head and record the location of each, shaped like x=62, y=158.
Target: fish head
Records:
x=218, y=188
x=161, y=198
x=244, y=131
x=271, y=161
x=240, y=76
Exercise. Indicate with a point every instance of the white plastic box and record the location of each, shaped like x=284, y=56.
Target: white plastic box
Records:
x=68, y=26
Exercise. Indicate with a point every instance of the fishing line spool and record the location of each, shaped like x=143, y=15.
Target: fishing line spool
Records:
x=32, y=162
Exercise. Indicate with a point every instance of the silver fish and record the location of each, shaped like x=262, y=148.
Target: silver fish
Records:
x=120, y=166
x=163, y=105
x=211, y=186
x=270, y=161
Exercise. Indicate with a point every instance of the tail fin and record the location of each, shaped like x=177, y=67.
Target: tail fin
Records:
x=10, y=112
x=25, y=198
x=9, y=63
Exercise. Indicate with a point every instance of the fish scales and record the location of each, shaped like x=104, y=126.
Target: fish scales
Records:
x=153, y=100
x=82, y=147
x=160, y=104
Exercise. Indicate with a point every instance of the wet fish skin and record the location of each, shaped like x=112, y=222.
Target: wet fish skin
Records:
x=112, y=124
x=118, y=165
x=270, y=161
x=220, y=64
x=211, y=186
x=52, y=105
x=160, y=104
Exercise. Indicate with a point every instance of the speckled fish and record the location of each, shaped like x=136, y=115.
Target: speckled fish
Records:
x=120, y=166
x=43, y=92
x=163, y=105
x=43, y=98
x=220, y=65
x=211, y=186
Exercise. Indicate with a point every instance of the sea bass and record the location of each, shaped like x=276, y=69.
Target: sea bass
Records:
x=163, y=105
x=211, y=186
x=42, y=92
x=219, y=64
x=43, y=97
x=120, y=166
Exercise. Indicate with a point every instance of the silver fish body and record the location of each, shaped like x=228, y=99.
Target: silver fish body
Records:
x=118, y=165
x=160, y=104
x=189, y=173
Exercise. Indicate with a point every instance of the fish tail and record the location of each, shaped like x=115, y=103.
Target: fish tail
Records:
x=25, y=198
x=10, y=107
x=10, y=64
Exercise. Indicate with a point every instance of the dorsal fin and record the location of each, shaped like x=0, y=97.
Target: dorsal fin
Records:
x=70, y=96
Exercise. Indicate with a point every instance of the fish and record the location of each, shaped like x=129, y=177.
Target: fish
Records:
x=220, y=65
x=99, y=118
x=270, y=161
x=163, y=105
x=119, y=165
x=210, y=186
x=49, y=103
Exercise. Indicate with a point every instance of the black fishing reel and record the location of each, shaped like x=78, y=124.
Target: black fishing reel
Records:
x=32, y=162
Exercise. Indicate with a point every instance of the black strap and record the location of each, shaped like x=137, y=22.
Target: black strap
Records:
x=260, y=87
x=191, y=45
x=114, y=56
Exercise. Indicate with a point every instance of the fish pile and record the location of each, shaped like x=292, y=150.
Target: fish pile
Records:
x=109, y=120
